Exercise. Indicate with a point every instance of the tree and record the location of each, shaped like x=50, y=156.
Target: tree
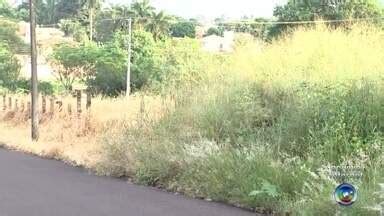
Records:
x=327, y=10
x=66, y=9
x=144, y=18
x=159, y=25
x=23, y=10
x=9, y=12
x=6, y=10
x=102, y=67
x=52, y=11
x=215, y=31
x=361, y=9
x=74, y=63
x=110, y=21
x=184, y=29
x=142, y=12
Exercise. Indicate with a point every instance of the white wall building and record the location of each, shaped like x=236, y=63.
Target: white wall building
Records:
x=214, y=43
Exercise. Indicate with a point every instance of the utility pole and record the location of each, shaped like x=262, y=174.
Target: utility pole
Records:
x=34, y=84
x=129, y=45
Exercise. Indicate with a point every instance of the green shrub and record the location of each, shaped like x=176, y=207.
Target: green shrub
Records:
x=9, y=67
x=24, y=86
x=73, y=28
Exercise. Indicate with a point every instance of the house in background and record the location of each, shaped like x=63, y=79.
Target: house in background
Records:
x=214, y=43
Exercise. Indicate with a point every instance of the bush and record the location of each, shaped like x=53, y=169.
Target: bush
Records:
x=215, y=31
x=181, y=63
x=73, y=28
x=9, y=67
x=24, y=86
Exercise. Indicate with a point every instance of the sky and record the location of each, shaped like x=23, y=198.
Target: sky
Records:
x=211, y=9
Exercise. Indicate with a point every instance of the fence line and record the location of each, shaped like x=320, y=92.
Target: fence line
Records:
x=16, y=103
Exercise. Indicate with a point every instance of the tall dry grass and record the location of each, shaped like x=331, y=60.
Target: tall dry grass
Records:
x=314, y=55
x=76, y=139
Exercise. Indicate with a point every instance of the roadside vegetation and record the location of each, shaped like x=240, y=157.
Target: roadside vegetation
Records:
x=260, y=131
x=255, y=128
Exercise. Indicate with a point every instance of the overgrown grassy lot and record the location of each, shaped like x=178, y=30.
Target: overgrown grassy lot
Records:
x=258, y=127
x=261, y=127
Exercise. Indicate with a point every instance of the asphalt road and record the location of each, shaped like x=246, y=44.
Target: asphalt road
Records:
x=31, y=186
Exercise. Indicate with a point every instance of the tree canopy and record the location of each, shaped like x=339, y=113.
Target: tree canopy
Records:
x=215, y=31
x=328, y=10
x=184, y=29
x=310, y=10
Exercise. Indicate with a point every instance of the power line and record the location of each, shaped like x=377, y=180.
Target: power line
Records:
x=303, y=22
x=260, y=23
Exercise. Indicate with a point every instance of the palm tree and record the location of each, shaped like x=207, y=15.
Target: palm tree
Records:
x=141, y=11
x=159, y=24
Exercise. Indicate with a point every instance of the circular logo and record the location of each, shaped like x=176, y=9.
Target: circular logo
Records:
x=345, y=194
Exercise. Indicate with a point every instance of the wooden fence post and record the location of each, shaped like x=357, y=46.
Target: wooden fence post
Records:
x=89, y=100
x=52, y=105
x=60, y=104
x=10, y=103
x=29, y=109
x=44, y=104
x=142, y=105
x=69, y=109
x=16, y=105
x=78, y=97
x=4, y=102
x=22, y=106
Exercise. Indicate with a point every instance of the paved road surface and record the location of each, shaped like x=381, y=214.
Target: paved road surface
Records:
x=31, y=186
